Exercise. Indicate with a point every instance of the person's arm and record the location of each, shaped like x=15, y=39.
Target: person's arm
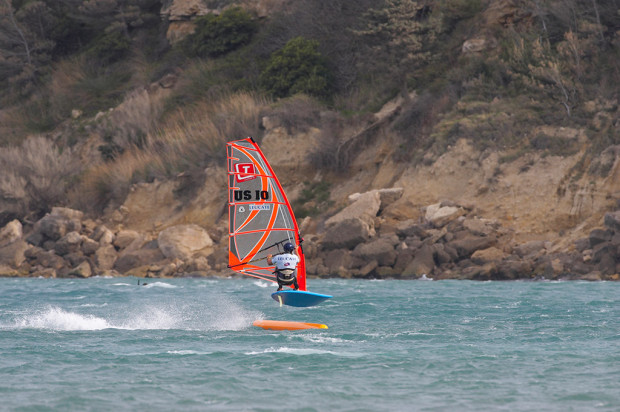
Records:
x=269, y=261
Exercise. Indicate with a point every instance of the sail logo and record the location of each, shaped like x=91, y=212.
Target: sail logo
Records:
x=260, y=207
x=245, y=171
x=248, y=195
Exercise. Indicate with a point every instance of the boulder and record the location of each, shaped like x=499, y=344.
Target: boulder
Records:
x=607, y=264
x=592, y=276
x=7, y=271
x=347, y=234
x=74, y=258
x=10, y=233
x=336, y=259
x=409, y=228
x=481, y=227
x=37, y=256
x=492, y=254
x=469, y=244
x=386, y=272
x=83, y=270
x=70, y=214
x=197, y=265
x=124, y=238
x=59, y=222
x=40, y=271
x=486, y=271
x=529, y=248
x=403, y=258
x=69, y=243
x=612, y=220
x=364, y=208
x=474, y=45
x=599, y=236
x=582, y=244
x=103, y=235
x=52, y=227
x=451, y=251
x=601, y=250
x=381, y=250
x=105, y=257
x=422, y=263
x=89, y=246
x=440, y=255
x=386, y=196
x=13, y=254
x=138, y=258
x=439, y=215
x=514, y=269
x=368, y=269
x=183, y=241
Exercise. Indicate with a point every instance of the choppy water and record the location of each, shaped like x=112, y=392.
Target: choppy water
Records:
x=188, y=344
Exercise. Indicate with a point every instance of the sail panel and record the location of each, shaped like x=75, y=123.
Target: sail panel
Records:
x=261, y=219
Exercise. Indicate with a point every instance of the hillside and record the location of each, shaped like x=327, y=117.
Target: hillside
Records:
x=454, y=139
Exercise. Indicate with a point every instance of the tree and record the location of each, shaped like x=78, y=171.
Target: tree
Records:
x=24, y=43
x=402, y=35
x=218, y=35
x=297, y=68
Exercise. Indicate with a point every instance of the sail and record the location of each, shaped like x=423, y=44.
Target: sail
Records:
x=261, y=219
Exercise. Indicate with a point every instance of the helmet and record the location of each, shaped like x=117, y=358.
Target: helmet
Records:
x=289, y=247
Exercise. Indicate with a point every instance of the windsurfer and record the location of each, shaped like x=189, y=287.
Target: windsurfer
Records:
x=286, y=265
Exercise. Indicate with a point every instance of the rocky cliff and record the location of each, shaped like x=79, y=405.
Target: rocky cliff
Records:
x=466, y=215
x=546, y=207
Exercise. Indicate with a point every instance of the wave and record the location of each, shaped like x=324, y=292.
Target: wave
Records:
x=187, y=352
x=305, y=352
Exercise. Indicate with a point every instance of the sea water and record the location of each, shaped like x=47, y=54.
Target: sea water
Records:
x=189, y=345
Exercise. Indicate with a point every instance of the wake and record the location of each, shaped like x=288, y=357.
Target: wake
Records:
x=218, y=315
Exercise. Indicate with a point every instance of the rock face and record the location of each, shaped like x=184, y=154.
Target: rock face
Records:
x=183, y=241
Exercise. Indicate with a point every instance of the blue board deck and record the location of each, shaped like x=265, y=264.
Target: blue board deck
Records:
x=299, y=298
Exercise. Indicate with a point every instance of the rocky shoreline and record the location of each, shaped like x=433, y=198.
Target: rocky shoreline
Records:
x=364, y=240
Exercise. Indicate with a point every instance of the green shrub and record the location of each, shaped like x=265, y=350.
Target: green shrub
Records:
x=297, y=68
x=110, y=48
x=313, y=200
x=218, y=35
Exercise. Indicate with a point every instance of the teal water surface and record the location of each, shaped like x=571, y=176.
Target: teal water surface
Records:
x=106, y=344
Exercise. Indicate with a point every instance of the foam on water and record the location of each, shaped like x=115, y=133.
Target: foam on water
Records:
x=218, y=315
x=260, y=284
x=159, y=285
x=55, y=318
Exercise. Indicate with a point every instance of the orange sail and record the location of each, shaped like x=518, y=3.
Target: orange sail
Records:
x=261, y=219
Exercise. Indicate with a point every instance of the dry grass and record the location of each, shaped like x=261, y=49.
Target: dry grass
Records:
x=188, y=142
x=35, y=176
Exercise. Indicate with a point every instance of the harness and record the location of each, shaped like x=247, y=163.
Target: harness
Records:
x=286, y=276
